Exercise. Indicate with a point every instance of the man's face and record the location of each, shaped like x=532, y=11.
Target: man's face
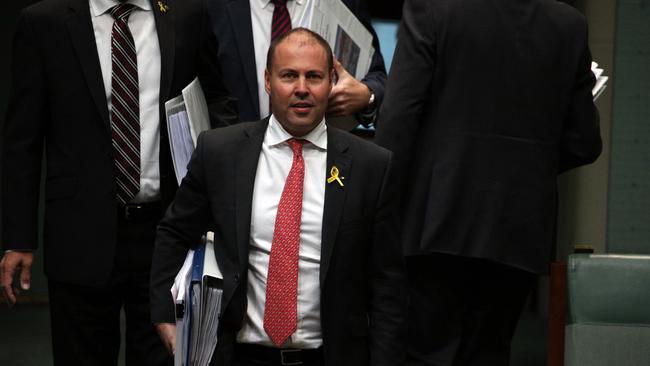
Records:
x=299, y=84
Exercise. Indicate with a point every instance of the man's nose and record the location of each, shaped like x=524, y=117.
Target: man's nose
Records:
x=301, y=87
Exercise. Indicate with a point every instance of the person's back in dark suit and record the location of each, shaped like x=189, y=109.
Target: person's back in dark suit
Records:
x=97, y=246
x=488, y=101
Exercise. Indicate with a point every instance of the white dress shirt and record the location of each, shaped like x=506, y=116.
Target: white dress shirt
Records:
x=273, y=168
x=143, y=28
x=262, y=19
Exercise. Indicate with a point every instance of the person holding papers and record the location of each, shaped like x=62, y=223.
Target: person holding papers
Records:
x=89, y=83
x=305, y=232
x=488, y=101
x=245, y=29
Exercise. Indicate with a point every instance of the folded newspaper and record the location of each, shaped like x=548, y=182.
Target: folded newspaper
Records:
x=351, y=42
x=187, y=117
x=601, y=80
x=348, y=37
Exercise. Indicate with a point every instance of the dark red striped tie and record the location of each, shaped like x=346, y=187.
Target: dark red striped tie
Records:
x=125, y=111
x=281, y=20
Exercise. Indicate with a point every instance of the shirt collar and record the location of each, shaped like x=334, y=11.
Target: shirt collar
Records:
x=264, y=3
x=99, y=7
x=276, y=134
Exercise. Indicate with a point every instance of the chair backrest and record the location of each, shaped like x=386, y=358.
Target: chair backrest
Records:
x=608, y=310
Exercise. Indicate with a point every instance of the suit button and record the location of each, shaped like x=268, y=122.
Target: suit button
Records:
x=237, y=278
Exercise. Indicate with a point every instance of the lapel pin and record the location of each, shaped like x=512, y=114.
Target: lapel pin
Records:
x=163, y=7
x=334, y=176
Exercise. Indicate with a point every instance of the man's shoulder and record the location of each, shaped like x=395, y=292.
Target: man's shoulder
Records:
x=46, y=9
x=560, y=9
x=358, y=146
x=233, y=133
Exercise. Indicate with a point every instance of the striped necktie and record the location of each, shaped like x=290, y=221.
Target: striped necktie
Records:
x=281, y=23
x=125, y=112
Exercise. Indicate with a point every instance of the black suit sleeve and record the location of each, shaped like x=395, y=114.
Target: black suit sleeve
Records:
x=186, y=220
x=22, y=141
x=375, y=79
x=580, y=142
x=411, y=77
x=387, y=282
x=222, y=107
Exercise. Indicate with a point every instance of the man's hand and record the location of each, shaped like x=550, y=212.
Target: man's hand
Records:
x=167, y=332
x=12, y=262
x=348, y=96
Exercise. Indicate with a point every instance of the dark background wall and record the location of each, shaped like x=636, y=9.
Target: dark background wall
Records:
x=386, y=9
x=628, y=229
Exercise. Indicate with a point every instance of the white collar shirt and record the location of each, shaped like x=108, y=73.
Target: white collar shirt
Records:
x=143, y=28
x=273, y=167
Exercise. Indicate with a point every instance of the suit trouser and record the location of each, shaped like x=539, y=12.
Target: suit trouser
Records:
x=463, y=311
x=86, y=320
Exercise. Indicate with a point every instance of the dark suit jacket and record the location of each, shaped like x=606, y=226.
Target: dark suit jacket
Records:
x=363, y=294
x=231, y=23
x=488, y=102
x=58, y=107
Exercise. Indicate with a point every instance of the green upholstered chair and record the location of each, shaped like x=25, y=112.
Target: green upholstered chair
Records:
x=608, y=314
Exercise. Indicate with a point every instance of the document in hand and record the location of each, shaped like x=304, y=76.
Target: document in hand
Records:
x=348, y=37
x=187, y=116
x=197, y=293
x=601, y=80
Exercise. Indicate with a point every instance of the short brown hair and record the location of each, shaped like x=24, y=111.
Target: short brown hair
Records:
x=311, y=34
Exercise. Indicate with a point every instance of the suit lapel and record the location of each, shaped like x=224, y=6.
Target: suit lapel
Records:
x=245, y=170
x=83, y=39
x=165, y=27
x=338, y=157
x=240, y=18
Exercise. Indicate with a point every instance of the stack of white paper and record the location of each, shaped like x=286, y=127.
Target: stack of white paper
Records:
x=187, y=117
x=601, y=80
x=197, y=293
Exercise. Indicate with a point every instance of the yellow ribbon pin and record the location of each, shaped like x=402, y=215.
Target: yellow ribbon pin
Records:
x=163, y=7
x=334, y=176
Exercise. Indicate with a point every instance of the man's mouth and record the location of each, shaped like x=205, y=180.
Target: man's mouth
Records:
x=301, y=107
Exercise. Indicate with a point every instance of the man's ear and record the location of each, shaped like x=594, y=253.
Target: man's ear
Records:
x=267, y=81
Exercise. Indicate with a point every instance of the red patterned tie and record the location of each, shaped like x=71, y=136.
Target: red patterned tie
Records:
x=281, y=23
x=125, y=111
x=280, y=312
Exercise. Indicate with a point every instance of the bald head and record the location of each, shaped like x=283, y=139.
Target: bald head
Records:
x=302, y=37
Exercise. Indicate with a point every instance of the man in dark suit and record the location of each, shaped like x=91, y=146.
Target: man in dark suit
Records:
x=244, y=30
x=90, y=79
x=488, y=102
x=338, y=296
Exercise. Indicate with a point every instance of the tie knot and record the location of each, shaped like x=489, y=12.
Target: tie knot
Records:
x=296, y=146
x=279, y=3
x=122, y=11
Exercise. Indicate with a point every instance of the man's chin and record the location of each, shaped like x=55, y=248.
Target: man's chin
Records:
x=301, y=125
